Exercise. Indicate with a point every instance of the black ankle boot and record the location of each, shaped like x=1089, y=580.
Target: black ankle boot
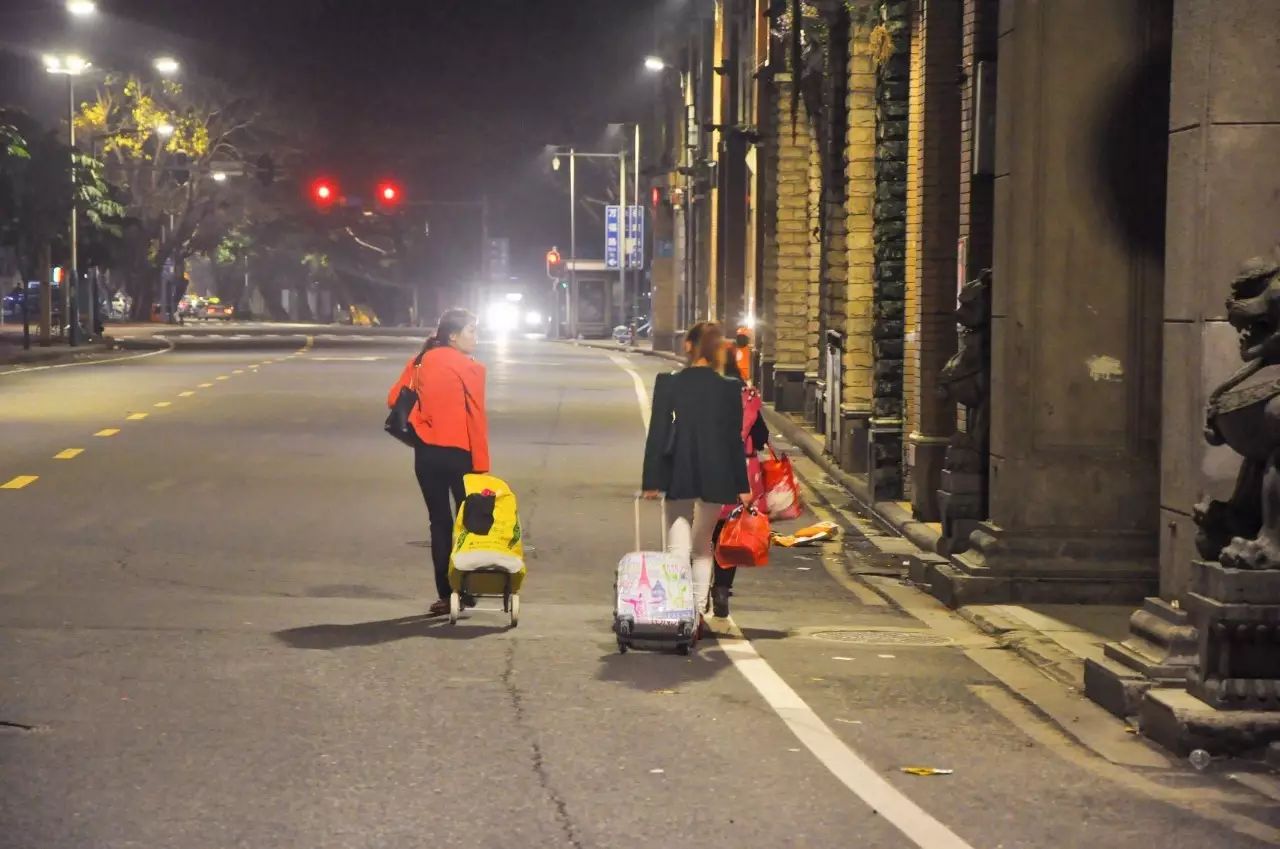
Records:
x=720, y=601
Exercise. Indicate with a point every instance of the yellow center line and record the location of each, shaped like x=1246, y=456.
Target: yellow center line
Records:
x=20, y=481
x=136, y=417
x=238, y=371
x=205, y=385
x=68, y=454
x=109, y=431
x=164, y=403
x=186, y=394
x=222, y=377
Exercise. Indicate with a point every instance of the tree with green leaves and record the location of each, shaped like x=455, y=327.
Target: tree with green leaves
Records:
x=36, y=192
x=164, y=143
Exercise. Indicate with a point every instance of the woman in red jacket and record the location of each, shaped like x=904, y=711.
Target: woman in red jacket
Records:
x=452, y=431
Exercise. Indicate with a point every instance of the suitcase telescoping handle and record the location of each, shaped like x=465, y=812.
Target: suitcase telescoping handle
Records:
x=662, y=500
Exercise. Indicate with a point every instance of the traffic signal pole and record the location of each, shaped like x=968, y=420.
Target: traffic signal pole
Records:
x=572, y=306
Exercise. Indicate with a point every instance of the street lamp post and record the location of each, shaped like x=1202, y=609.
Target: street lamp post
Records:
x=70, y=66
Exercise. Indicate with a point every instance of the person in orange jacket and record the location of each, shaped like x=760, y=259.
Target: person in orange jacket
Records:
x=453, y=433
x=742, y=353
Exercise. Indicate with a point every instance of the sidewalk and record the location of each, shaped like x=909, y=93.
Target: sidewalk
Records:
x=12, y=352
x=1056, y=638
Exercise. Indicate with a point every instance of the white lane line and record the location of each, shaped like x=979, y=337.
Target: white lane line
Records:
x=852, y=771
x=91, y=363
x=642, y=394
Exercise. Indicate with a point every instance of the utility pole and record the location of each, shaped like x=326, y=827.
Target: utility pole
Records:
x=622, y=247
x=572, y=307
x=71, y=286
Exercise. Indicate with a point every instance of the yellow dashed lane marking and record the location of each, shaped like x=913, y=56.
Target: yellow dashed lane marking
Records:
x=205, y=385
x=20, y=481
x=222, y=377
x=164, y=403
x=110, y=431
x=238, y=371
x=186, y=394
x=136, y=417
x=68, y=454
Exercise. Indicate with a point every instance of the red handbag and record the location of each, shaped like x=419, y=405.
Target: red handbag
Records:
x=744, y=541
x=781, y=493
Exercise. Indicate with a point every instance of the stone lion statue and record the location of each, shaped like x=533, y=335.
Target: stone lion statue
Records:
x=1244, y=413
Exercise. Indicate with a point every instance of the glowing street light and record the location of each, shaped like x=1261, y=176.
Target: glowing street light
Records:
x=82, y=8
x=219, y=176
x=166, y=65
x=555, y=163
x=654, y=63
x=164, y=129
x=69, y=64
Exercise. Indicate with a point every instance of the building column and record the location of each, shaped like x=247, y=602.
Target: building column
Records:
x=890, y=234
x=1223, y=205
x=933, y=206
x=788, y=326
x=1074, y=413
x=860, y=190
x=962, y=489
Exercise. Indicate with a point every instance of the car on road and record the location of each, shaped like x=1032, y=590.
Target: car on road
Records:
x=215, y=309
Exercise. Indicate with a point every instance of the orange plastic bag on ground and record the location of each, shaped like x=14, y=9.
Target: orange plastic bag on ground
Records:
x=744, y=540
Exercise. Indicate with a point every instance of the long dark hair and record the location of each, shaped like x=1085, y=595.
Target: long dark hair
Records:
x=704, y=341
x=453, y=321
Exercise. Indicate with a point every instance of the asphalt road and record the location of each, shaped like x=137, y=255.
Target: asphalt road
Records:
x=211, y=635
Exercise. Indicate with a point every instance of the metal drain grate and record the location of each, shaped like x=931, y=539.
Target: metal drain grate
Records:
x=882, y=638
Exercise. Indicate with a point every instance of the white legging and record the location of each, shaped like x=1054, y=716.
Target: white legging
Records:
x=702, y=517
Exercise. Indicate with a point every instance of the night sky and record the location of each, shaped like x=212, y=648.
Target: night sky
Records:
x=456, y=98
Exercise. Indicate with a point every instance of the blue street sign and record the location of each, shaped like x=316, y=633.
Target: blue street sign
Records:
x=612, y=236
x=635, y=238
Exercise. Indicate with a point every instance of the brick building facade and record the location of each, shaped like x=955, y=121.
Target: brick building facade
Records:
x=1080, y=180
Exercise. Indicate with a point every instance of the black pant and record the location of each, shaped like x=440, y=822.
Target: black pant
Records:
x=723, y=577
x=439, y=471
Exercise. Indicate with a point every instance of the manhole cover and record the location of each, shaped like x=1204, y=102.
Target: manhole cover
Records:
x=883, y=638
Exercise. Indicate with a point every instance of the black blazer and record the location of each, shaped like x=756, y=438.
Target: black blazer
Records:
x=704, y=457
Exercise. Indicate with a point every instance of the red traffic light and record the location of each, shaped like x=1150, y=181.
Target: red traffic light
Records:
x=389, y=193
x=555, y=264
x=324, y=193
x=655, y=197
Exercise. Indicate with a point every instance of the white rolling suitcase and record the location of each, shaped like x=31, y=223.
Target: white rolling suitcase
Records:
x=653, y=592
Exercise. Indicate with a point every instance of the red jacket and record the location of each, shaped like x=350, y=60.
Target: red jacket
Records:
x=450, y=410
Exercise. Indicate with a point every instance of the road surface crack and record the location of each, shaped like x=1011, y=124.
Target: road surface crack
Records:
x=538, y=762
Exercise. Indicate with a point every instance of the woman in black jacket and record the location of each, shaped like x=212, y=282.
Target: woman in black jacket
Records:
x=694, y=451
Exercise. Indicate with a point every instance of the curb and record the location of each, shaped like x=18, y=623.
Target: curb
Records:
x=887, y=513
x=38, y=356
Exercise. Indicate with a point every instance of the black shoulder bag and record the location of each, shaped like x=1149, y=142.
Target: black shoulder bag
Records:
x=398, y=424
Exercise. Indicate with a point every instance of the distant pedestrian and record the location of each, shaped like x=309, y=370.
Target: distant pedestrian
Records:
x=450, y=422
x=694, y=451
x=755, y=436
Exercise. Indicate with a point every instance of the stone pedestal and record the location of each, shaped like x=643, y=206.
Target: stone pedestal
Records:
x=765, y=381
x=1231, y=703
x=927, y=458
x=855, y=435
x=1006, y=567
x=1160, y=651
x=813, y=400
x=788, y=388
x=884, y=459
x=1237, y=615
